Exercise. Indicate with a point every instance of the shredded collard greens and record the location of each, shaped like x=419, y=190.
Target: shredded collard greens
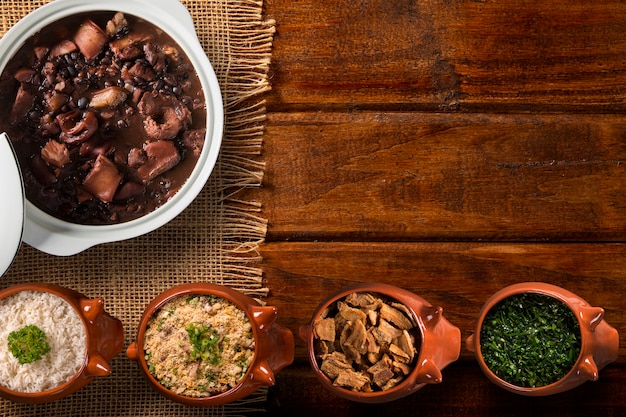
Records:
x=530, y=340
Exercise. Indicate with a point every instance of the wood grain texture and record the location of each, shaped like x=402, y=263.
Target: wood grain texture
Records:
x=457, y=276
x=422, y=176
x=449, y=55
x=464, y=391
x=451, y=148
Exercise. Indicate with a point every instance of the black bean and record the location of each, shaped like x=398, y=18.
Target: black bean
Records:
x=158, y=85
x=83, y=102
x=34, y=116
x=169, y=80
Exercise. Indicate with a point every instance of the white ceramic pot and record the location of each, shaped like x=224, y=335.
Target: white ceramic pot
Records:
x=59, y=237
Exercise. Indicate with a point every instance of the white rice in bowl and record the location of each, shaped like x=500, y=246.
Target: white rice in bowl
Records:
x=66, y=336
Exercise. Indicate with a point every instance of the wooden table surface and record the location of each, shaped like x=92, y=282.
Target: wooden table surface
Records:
x=449, y=147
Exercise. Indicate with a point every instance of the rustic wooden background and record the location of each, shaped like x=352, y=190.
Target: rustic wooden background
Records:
x=450, y=147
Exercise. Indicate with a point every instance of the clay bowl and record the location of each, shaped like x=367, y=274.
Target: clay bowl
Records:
x=598, y=340
x=56, y=236
x=104, y=340
x=436, y=340
x=273, y=344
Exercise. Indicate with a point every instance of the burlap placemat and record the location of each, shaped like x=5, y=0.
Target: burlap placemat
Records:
x=214, y=240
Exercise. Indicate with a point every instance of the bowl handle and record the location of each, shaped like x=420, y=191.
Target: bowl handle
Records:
x=284, y=353
x=262, y=374
x=603, y=343
x=470, y=344
x=92, y=307
x=304, y=332
x=132, y=353
x=440, y=347
x=105, y=336
x=177, y=10
x=276, y=342
x=97, y=366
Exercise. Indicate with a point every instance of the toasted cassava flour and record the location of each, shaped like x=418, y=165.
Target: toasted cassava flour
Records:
x=199, y=345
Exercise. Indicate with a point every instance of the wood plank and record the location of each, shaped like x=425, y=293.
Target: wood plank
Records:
x=464, y=391
x=459, y=277
x=462, y=55
x=418, y=176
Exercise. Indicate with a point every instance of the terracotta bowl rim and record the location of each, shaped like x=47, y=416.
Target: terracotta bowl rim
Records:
x=203, y=288
x=386, y=290
x=559, y=293
x=66, y=294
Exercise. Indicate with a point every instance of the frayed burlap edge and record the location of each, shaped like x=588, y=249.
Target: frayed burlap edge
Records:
x=241, y=62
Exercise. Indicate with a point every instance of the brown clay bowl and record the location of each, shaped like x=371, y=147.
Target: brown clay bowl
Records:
x=439, y=345
x=273, y=347
x=599, y=341
x=105, y=339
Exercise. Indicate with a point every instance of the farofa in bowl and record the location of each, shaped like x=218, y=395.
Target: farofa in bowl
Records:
x=199, y=345
x=204, y=345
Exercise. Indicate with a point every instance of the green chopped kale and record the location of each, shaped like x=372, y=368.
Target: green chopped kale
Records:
x=530, y=340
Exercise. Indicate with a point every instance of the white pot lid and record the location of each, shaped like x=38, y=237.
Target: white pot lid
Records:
x=11, y=205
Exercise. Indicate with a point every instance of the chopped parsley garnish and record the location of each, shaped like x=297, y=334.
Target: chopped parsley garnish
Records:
x=530, y=340
x=28, y=344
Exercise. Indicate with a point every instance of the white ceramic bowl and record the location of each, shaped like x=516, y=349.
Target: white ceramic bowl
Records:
x=58, y=237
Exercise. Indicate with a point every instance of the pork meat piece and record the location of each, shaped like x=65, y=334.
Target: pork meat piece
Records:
x=334, y=363
x=24, y=101
x=355, y=381
x=396, y=317
x=162, y=156
x=90, y=39
x=103, y=179
x=55, y=153
x=325, y=329
x=194, y=140
x=381, y=371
